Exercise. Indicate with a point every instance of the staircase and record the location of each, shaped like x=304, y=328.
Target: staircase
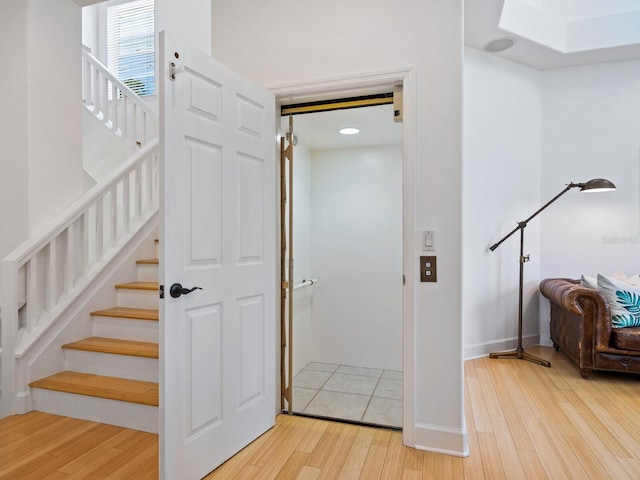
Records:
x=112, y=376
x=53, y=280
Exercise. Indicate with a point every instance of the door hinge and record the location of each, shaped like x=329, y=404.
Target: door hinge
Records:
x=404, y=281
x=161, y=291
x=174, y=69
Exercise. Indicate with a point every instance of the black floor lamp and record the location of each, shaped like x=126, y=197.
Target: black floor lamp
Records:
x=595, y=185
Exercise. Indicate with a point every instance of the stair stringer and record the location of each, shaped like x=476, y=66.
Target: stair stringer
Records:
x=46, y=356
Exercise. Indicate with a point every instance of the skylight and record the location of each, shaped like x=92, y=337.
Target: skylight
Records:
x=574, y=25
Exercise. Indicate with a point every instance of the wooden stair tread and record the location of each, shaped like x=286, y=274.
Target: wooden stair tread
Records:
x=138, y=286
x=115, y=346
x=114, y=388
x=125, y=312
x=148, y=261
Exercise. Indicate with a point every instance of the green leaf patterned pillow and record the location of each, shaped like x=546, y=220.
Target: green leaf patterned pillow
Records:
x=623, y=300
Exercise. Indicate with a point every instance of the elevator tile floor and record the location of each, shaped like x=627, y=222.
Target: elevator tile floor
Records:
x=357, y=394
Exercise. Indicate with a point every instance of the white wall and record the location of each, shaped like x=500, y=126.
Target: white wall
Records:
x=13, y=126
x=320, y=42
x=188, y=20
x=55, y=120
x=41, y=128
x=102, y=151
x=90, y=29
x=591, y=129
x=356, y=253
x=501, y=178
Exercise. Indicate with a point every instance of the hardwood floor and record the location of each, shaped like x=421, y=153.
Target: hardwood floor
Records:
x=524, y=422
x=39, y=446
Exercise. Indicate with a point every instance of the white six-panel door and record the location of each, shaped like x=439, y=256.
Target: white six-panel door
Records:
x=217, y=386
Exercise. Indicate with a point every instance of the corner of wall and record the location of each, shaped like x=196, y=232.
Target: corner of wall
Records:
x=437, y=439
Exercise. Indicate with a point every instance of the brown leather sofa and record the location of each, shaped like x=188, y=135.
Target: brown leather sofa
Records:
x=581, y=328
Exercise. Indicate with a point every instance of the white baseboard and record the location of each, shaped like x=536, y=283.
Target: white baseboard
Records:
x=438, y=439
x=484, y=349
x=545, y=341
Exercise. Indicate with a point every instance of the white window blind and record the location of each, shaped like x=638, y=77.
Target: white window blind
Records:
x=130, y=45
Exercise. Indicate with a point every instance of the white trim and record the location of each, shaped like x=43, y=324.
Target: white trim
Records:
x=483, y=349
x=356, y=84
x=329, y=87
x=545, y=340
x=449, y=441
x=409, y=260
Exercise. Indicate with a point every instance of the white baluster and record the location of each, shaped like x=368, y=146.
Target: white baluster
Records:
x=99, y=239
x=146, y=179
x=70, y=259
x=86, y=82
x=125, y=116
x=126, y=203
x=113, y=213
x=137, y=194
x=114, y=103
x=156, y=179
x=134, y=123
x=33, y=307
x=84, y=242
x=144, y=128
x=52, y=275
x=95, y=99
x=105, y=102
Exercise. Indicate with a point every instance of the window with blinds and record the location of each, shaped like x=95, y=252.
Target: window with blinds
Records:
x=130, y=45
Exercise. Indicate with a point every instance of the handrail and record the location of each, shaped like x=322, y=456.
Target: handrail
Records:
x=304, y=283
x=47, y=272
x=118, y=107
x=76, y=209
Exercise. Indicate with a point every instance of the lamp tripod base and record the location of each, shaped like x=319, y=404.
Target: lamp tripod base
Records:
x=520, y=354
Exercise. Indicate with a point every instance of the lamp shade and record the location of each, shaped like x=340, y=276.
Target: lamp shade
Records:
x=597, y=185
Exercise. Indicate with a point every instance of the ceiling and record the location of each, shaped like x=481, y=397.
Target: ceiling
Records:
x=319, y=131
x=482, y=18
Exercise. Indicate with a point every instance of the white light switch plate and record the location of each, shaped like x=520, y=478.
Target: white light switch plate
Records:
x=428, y=240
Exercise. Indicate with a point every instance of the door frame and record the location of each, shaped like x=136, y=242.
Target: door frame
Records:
x=353, y=85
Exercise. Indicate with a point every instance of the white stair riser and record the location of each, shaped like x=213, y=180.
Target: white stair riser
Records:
x=126, y=329
x=147, y=273
x=110, y=365
x=137, y=298
x=113, y=412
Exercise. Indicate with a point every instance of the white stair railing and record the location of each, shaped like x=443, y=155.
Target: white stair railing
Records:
x=46, y=274
x=118, y=107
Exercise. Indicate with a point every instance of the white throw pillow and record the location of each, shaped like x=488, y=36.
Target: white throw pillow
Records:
x=588, y=282
x=591, y=282
x=623, y=300
x=634, y=280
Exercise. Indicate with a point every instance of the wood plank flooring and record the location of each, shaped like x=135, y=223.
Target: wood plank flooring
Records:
x=524, y=422
x=39, y=446
x=114, y=388
x=138, y=286
x=115, y=346
x=127, y=312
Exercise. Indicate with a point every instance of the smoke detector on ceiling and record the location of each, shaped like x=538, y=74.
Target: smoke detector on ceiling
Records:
x=500, y=44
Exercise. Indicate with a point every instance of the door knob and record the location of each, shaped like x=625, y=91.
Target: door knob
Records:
x=177, y=290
